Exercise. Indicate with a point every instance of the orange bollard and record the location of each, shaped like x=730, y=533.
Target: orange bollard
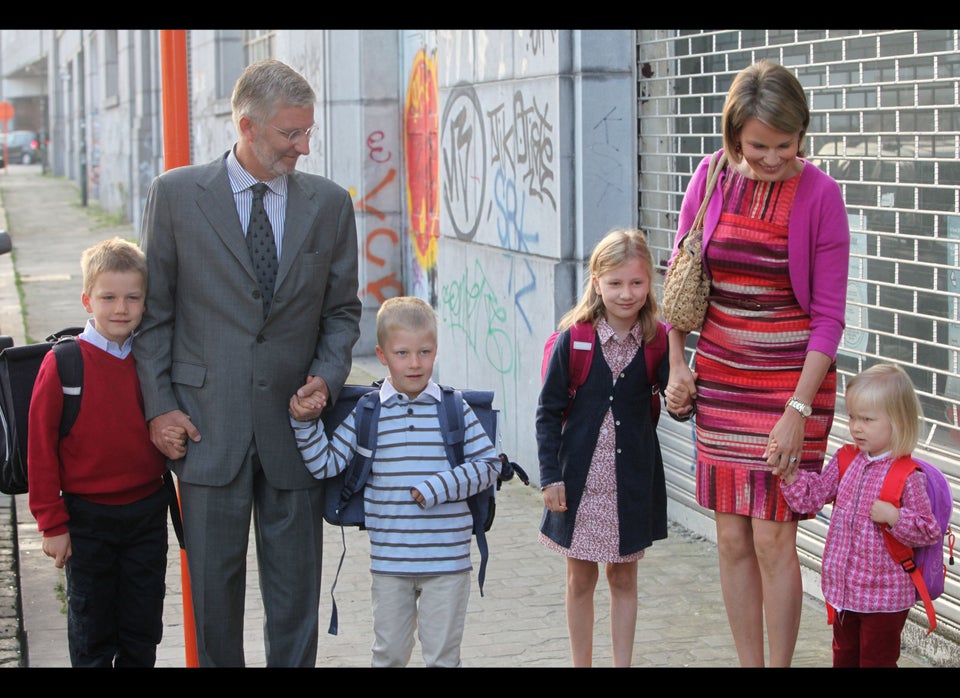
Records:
x=176, y=152
x=189, y=629
x=186, y=595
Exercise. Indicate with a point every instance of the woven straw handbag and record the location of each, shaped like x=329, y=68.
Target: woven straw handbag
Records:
x=686, y=288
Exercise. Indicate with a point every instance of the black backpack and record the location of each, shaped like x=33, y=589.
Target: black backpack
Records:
x=343, y=505
x=18, y=372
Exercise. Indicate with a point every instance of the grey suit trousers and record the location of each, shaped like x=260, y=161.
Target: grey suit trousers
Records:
x=218, y=572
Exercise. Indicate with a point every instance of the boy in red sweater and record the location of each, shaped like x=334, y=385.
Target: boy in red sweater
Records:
x=98, y=493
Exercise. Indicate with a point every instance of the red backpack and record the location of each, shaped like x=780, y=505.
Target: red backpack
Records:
x=924, y=564
x=582, y=335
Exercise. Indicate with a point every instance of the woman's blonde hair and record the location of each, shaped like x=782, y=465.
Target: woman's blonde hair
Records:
x=887, y=388
x=769, y=92
x=616, y=248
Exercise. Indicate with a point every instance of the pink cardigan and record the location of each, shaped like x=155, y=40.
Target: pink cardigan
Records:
x=818, y=245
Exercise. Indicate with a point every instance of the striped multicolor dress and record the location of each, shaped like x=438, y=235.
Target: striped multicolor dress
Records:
x=750, y=355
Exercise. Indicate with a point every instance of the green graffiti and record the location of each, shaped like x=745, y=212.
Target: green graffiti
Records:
x=473, y=308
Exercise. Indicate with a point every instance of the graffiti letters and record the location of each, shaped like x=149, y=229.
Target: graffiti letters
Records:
x=377, y=286
x=537, y=40
x=523, y=145
x=463, y=148
x=362, y=204
x=473, y=307
x=511, y=208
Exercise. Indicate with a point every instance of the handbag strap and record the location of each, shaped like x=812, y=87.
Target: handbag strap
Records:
x=713, y=174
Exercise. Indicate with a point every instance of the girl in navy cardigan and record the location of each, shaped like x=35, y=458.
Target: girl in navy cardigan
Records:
x=601, y=470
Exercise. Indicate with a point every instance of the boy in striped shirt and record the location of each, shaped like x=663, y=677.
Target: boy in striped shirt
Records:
x=415, y=507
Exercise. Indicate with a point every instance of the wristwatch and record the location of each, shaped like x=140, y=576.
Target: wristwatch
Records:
x=800, y=406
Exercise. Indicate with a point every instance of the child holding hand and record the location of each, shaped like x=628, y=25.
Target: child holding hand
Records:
x=98, y=493
x=601, y=470
x=869, y=592
x=415, y=503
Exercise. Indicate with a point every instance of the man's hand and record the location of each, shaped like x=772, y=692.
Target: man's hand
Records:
x=173, y=422
x=310, y=399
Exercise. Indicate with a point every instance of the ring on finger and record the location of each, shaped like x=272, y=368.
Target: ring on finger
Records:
x=793, y=459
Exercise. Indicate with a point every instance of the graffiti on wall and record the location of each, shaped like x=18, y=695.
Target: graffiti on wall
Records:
x=382, y=242
x=472, y=304
x=537, y=40
x=521, y=141
x=521, y=150
x=420, y=153
x=463, y=161
x=505, y=189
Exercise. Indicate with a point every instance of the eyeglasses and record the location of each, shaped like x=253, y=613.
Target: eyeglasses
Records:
x=297, y=134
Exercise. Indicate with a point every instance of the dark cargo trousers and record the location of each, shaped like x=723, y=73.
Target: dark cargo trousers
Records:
x=116, y=581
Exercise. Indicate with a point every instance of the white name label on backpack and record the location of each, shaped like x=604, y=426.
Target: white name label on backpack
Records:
x=582, y=346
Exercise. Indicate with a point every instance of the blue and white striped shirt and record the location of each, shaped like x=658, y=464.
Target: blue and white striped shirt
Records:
x=405, y=538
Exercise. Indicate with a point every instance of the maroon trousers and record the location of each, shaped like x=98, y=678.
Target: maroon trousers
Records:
x=867, y=639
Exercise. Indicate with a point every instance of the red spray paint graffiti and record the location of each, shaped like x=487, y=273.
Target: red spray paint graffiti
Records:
x=420, y=140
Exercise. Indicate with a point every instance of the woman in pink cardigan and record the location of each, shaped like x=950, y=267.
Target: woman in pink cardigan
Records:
x=776, y=247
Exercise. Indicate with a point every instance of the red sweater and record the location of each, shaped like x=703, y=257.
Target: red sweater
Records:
x=107, y=457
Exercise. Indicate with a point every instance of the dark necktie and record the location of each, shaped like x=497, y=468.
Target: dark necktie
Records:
x=263, y=248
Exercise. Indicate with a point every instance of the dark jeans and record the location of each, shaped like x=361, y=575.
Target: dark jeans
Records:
x=116, y=581
x=867, y=639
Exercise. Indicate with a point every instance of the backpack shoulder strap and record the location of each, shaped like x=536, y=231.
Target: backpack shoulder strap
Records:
x=845, y=457
x=892, y=491
x=366, y=424
x=70, y=368
x=652, y=354
x=582, y=337
x=900, y=470
x=450, y=412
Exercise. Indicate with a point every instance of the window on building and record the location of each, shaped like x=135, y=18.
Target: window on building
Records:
x=111, y=67
x=230, y=60
x=258, y=44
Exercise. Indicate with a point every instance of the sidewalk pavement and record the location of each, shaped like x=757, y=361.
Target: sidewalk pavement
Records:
x=519, y=622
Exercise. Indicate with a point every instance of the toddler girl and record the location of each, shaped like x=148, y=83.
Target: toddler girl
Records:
x=870, y=593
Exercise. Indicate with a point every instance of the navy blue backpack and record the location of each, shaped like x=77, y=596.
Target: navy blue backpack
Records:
x=343, y=504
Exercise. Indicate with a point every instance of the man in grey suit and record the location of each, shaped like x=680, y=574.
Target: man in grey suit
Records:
x=218, y=357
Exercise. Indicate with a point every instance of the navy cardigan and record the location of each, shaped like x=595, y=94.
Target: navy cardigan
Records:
x=565, y=451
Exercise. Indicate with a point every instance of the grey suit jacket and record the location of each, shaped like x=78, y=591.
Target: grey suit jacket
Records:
x=204, y=347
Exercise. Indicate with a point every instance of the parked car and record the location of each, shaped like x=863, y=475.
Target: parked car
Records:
x=22, y=147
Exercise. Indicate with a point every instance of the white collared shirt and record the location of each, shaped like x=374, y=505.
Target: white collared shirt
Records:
x=92, y=335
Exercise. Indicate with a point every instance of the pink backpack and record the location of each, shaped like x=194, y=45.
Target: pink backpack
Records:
x=924, y=564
